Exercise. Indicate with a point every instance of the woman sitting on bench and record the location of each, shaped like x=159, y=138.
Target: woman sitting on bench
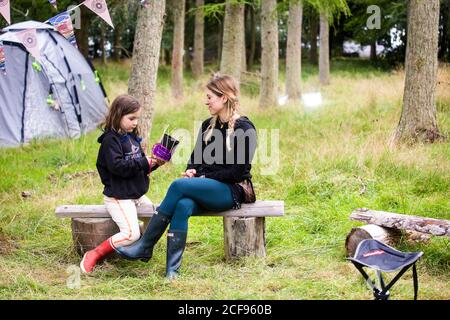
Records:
x=217, y=177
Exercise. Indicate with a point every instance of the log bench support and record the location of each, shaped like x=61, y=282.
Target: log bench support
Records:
x=244, y=237
x=244, y=229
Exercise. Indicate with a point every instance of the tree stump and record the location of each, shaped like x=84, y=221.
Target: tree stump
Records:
x=145, y=221
x=88, y=233
x=244, y=237
x=388, y=236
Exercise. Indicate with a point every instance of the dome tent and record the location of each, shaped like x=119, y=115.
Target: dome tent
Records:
x=59, y=97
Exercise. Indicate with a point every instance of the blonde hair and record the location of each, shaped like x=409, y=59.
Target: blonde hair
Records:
x=224, y=85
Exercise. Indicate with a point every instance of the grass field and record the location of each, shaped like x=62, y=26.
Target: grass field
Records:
x=332, y=160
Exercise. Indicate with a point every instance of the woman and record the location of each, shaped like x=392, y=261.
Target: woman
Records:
x=217, y=177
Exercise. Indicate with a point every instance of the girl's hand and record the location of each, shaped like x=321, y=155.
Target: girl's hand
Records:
x=190, y=173
x=159, y=161
x=155, y=161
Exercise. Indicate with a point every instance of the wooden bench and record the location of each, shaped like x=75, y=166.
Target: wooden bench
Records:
x=244, y=229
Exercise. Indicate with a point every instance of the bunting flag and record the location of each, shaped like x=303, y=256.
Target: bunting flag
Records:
x=29, y=39
x=5, y=10
x=53, y=3
x=63, y=23
x=100, y=8
x=2, y=59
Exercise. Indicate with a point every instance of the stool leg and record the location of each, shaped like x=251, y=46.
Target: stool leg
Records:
x=415, y=281
x=375, y=290
x=383, y=294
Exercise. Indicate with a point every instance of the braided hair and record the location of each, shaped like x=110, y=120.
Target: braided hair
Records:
x=224, y=85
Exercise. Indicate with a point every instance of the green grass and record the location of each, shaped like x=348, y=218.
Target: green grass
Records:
x=331, y=161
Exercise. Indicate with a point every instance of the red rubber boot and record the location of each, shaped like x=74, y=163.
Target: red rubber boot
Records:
x=91, y=257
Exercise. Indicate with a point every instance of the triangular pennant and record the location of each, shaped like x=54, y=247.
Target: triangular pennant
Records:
x=5, y=10
x=53, y=3
x=63, y=23
x=100, y=8
x=145, y=3
x=2, y=58
x=29, y=39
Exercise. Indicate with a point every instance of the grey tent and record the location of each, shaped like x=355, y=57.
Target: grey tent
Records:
x=60, y=97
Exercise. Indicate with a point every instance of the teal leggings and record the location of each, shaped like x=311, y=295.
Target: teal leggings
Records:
x=187, y=196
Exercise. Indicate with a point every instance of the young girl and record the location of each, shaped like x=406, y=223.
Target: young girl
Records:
x=213, y=181
x=124, y=169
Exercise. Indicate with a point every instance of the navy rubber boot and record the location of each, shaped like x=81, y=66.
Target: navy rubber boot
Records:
x=143, y=248
x=176, y=242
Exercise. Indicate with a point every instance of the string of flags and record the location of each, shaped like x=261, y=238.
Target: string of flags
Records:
x=62, y=22
x=99, y=7
x=145, y=3
x=29, y=40
x=5, y=10
x=54, y=4
x=2, y=58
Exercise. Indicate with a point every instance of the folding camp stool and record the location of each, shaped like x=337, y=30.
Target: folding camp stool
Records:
x=381, y=257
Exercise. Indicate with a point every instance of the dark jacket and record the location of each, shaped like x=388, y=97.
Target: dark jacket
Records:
x=122, y=166
x=215, y=161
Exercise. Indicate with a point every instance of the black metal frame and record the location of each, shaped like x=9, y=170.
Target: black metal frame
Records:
x=383, y=292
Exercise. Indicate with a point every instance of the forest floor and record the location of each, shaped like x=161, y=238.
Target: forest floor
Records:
x=329, y=161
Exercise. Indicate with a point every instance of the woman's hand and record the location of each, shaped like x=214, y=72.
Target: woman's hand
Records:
x=190, y=173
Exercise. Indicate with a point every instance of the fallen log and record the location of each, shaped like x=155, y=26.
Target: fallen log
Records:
x=388, y=236
x=436, y=227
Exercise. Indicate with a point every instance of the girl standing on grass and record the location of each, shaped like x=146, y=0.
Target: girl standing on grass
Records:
x=124, y=169
x=217, y=176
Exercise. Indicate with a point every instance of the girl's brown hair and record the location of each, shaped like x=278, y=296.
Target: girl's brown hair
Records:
x=224, y=85
x=121, y=106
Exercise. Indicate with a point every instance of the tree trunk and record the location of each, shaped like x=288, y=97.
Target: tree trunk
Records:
x=162, y=56
x=178, y=48
x=231, y=62
x=313, y=39
x=269, y=54
x=144, y=69
x=117, y=44
x=444, y=35
x=373, y=51
x=418, y=120
x=294, y=51
x=244, y=46
x=251, y=56
x=197, y=63
x=324, y=53
x=168, y=56
x=82, y=34
x=103, y=44
x=219, y=42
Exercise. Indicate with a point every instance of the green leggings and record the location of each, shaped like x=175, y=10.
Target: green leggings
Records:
x=187, y=196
